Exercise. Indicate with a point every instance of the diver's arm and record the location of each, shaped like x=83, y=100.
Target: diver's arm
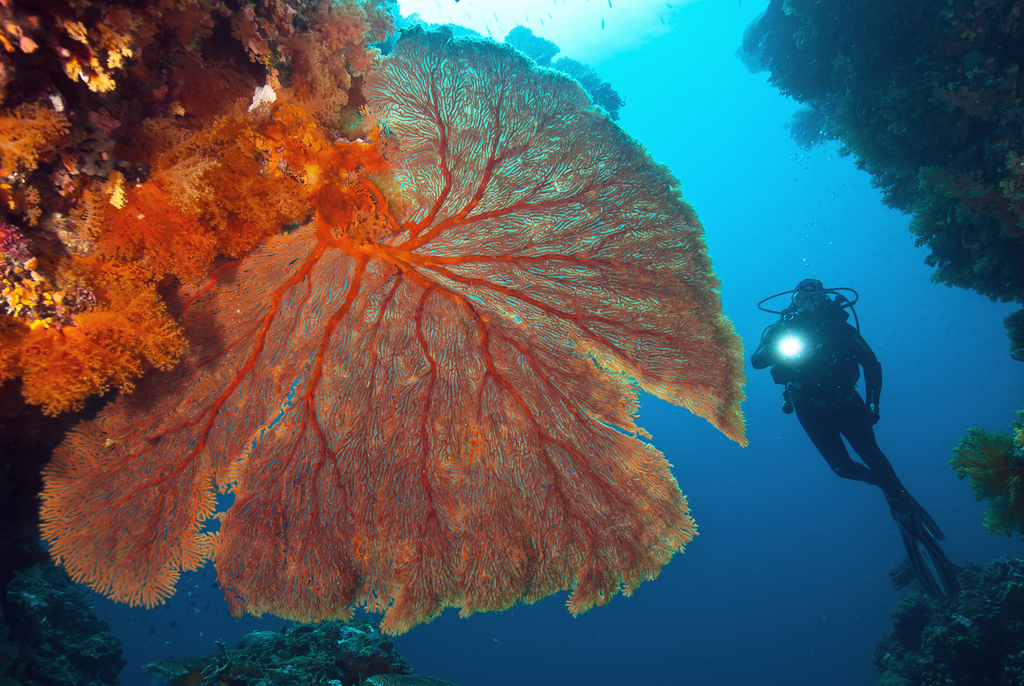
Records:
x=872, y=371
x=762, y=357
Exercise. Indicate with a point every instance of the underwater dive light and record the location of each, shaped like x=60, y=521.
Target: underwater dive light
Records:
x=790, y=346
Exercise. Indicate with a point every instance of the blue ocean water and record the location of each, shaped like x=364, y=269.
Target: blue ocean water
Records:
x=787, y=582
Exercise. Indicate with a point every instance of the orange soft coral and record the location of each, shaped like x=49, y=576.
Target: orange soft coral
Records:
x=151, y=231
x=335, y=50
x=107, y=348
x=162, y=176
x=208, y=197
x=347, y=27
x=25, y=132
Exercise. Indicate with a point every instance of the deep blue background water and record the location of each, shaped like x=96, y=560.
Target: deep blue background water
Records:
x=788, y=581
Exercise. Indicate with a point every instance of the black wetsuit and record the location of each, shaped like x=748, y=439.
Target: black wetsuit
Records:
x=824, y=394
x=821, y=383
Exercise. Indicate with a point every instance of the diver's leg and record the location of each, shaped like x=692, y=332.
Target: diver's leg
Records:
x=854, y=420
x=823, y=430
x=855, y=424
x=919, y=531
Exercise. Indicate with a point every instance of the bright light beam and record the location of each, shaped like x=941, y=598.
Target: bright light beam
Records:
x=586, y=30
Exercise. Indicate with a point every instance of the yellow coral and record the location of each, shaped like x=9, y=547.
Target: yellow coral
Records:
x=93, y=73
x=115, y=189
x=27, y=292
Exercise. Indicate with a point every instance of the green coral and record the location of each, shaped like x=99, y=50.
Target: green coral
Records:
x=994, y=464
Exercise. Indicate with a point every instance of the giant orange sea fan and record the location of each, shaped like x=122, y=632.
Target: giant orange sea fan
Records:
x=425, y=407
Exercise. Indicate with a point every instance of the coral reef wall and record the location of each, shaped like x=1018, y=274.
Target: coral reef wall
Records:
x=50, y=634
x=927, y=97
x=131, y=159
x=971, y=638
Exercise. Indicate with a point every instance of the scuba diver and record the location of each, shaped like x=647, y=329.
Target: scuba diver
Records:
x=816, y=354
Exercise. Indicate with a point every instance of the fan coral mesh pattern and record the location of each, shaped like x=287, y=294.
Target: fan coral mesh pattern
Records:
x=425, y=398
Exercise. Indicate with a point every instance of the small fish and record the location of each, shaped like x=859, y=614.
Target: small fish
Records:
x=206, y=606
x=192, y=604
x=150, y=630
x=111, y=442
x=174, y=624
x=610, y=4
x=602, y=24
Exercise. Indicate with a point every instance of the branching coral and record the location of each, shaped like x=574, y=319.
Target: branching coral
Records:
x=426, y=397
x=600, y=91
x=540, y=50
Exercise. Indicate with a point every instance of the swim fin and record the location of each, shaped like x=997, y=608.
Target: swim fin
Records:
x=933, y=569
x=925, y=518
x=900, y=500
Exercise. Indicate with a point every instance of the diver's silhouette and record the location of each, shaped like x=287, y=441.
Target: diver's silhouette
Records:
x=817, y=355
